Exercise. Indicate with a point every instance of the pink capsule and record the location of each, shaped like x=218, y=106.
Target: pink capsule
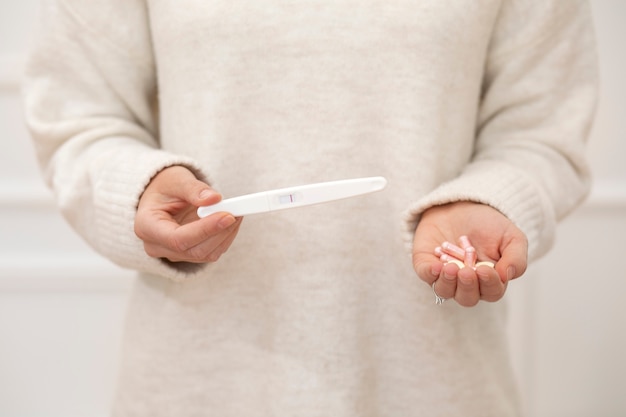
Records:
x=470, y=256
x=445, y=258
x=465, y=242
x=438, y=251
x=453, y=250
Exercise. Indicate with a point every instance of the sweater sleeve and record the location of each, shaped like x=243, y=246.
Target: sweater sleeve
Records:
x=90, y=105
x=536, y=108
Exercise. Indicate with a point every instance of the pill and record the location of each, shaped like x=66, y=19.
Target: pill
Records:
x=454, y=250
x=464, y=242
x=447, y=258
x=486, y=263
x=470, y=256
x=458, y=263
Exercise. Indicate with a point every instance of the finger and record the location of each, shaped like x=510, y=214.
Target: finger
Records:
x=446, y=284
x=212, y=249
x=193, y=234
x=514, y=259
x=490, y=285
x=427, y=266
x=467, y=288
x=209, y=251
x=176, y=238
x=184, y=185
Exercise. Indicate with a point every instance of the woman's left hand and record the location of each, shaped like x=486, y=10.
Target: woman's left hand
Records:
x=495, y=238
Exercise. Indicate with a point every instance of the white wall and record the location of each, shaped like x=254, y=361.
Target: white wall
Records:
x=60, y=332
x=568, y=329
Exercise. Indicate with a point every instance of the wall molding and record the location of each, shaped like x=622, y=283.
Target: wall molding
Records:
x=25, y=194
x=607, y=195
x=49, y=274
x=11, y=67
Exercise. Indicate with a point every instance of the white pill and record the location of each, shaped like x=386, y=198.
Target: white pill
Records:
x=486, y=263
x=456, y=262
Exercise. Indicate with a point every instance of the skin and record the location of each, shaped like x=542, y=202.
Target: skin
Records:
x=495, y=238
x=167, y=223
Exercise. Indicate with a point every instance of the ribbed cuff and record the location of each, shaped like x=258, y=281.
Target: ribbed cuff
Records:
x=117, y=195
x=503, y=187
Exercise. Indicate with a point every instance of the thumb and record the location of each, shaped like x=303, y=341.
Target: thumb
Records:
x=427, y=266
x=514, y=260
x=199, y=193
x=181, y=183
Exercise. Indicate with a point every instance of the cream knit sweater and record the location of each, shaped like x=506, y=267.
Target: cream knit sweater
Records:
x=314, y=311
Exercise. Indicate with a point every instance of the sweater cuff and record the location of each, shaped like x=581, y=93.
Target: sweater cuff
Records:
x=118, y=194
x=503, y=187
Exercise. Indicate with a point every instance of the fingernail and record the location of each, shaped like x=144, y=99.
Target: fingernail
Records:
x=204, y=194
x=226, y=221
x=447, y=276
x=510, y=273
x=436, y=270
x=466, y=280
x=482, y=275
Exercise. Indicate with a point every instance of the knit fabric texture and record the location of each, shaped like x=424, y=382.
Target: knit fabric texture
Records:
x=314, y=311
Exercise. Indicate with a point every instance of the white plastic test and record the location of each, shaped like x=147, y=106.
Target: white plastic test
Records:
x=292, y=197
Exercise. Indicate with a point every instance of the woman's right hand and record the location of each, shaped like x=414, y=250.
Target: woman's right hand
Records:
x=167, y=223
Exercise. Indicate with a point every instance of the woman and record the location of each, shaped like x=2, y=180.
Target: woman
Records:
x=477, y=116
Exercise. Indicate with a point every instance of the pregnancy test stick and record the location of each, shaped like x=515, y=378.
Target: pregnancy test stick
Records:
x=293, y=197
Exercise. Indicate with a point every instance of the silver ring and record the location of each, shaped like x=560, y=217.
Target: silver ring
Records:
x=438, y=299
